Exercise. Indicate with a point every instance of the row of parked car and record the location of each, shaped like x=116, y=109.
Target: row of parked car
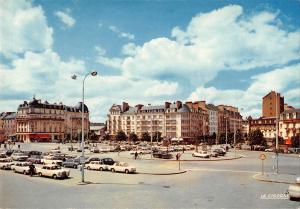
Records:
x=212, y=153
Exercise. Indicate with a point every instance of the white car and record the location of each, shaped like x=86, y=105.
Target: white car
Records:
x=269, y=150
x=294, y=190
x=53, y=171
x=96, y=165
x=51, y=160
x=6, y=163
x=95, y=150
x=18, y=156
x=22, y=167
x=202, y=154
x=104, y=149
x=122, y=167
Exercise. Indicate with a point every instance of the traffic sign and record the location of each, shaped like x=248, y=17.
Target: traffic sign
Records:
x=262, y=156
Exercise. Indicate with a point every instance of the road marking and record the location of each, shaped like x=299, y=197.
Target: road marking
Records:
x=222, y=170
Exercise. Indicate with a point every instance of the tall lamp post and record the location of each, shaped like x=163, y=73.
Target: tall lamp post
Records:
x=276, y=132
x=74, y=77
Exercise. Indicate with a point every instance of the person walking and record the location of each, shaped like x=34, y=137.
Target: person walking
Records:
x=135, y=155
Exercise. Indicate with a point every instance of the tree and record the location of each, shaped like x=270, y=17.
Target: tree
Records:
x=146, y=137
x=256, y=137
x=106, y=137
x=157, y=136
x=239, y=136
x=295, y=141
x=222, y=138
x=121, y=136
x=93, y=136
x=133, y=137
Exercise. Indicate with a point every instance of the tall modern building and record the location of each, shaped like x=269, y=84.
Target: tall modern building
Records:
x=271, y=103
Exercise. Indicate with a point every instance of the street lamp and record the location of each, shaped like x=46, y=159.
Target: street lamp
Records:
x=74, y=77
x=276, y=132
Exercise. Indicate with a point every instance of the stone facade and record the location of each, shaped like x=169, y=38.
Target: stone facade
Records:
x=289, y=124
x=38, y=121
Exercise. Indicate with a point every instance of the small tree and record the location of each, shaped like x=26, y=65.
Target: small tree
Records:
x=157, y=136
x=133, y=137
x=121, y=136
x=146, y=137
x=93, y=136
x=106, y=137
x=295, y=141
x=239, y=136
x=257, y=138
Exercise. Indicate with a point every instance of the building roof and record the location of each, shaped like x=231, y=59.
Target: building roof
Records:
x=212, y=107
x=184, y=108
x=153, y=107
x=10, y=116
x=131, y=110
x=291, y=111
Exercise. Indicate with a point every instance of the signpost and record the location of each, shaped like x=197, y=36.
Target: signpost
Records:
x=262, y=157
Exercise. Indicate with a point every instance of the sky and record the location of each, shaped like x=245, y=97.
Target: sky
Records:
x=149, y=52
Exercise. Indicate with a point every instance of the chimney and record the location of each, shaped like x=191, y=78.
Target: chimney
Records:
x=167, y=104
x=189, y=104
x=125, y=106
x=139, y=106
x=178, y=104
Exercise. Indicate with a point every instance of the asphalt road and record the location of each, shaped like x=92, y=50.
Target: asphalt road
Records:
x=221, y=184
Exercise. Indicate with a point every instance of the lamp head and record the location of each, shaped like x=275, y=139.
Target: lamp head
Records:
x=74, y=77
x=94, y=73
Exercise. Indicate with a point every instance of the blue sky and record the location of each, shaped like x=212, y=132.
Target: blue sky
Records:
x=224, y=52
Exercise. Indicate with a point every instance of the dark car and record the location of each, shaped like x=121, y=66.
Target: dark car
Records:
x=35, y=159
x=71, y=163
x=36, y=153
x=92, y=159
x=163, y=155
x=108, y=161
x=220, y=152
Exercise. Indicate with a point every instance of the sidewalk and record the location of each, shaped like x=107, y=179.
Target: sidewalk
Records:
x=276, y=178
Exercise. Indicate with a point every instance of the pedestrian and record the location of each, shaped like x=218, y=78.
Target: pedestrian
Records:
x=135, y=155
x=183, y=150
x=19, y=146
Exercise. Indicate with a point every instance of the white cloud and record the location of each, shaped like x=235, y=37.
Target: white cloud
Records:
x=224, y=39
x=162, y=89
x=65, y=18
x=101, y=51
x=121, y=34
x=18, y=19
x=250, y=99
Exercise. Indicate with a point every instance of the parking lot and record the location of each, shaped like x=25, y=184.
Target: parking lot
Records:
x=197, y=184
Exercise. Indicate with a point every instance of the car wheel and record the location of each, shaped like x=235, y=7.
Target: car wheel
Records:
x=14, y=170
x=193, y=155
x=127, y=171
x=40, y=174
x=24, y=172
x=75, y=166
x=113, y=170
x=54, y=176
x=88, y=168
x=101, y=169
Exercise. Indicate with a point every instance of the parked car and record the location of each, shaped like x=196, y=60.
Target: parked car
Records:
x=95, y=150
x=53, y=171
x=22, y=167
x=163, y=155
x=19, y=156
x=71, y=163
x=35, y=159
x=214, y=153
x=92, y=159
x=294, y=190
x=108, y=161
x=96, y=165
x=3, y=155
x=51, y=160
x=269, y=150
x=6, y=163
x=220, y=151
x=202, y=154
x=30, y=153
x=122, y=167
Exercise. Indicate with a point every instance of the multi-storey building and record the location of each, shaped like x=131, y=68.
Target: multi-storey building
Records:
x=37, y=121
x=212, y=118
x=229, y=119
x=9, y=126
x=175, y=120
x=289, y=124
x=265, y=125
x=272, y=104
